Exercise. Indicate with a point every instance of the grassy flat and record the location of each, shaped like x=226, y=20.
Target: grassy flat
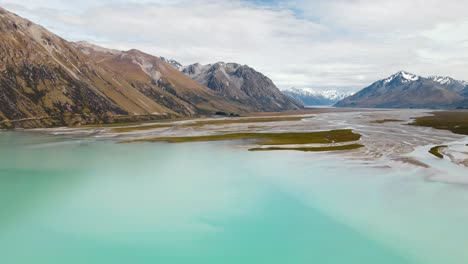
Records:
x=386, y=121
x=246, y=120
x=200, y=123
x=139, y=128
x=435, y=151
x=119, y=124
x=312, y=149
x=455, y=121
x=332, y=136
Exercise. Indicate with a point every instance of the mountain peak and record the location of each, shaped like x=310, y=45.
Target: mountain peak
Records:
x=230, y=65
x=241, y=83
x=177, y=65
x=403, y=76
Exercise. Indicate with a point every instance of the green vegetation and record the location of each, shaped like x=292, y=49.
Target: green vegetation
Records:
x=435, y=151
x=313, y=149
x=455, y=121
x=386, y=121
x=325, y=137
x=226, y=114
x=6, y=124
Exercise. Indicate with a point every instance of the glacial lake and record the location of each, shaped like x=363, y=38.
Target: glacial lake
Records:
x=65, y=199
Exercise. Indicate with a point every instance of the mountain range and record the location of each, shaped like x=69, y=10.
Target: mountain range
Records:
x=407, y=90
x=310, y=97
x=48, y=81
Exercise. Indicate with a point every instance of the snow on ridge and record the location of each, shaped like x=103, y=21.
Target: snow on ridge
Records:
x=409, y=77
x=442, y=80
x=446, y=80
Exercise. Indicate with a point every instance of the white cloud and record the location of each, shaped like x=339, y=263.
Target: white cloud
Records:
x=321, y=44
x=378, y=15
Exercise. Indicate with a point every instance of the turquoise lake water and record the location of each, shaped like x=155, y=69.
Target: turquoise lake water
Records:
x=71, y=200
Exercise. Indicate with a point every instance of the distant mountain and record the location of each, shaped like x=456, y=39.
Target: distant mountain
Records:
x=240, y=83
x=407, y=90
x=315, y=97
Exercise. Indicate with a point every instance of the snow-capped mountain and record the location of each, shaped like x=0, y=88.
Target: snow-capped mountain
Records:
x=407, y=90
x=309, y=96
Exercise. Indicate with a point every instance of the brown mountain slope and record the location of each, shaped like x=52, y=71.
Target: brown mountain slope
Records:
x=47, y=81
x=146, y=71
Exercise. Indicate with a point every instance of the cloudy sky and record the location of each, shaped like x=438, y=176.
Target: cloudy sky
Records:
x=321, y=44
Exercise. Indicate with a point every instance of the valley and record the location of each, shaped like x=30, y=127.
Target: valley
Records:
x=387, y=137
x=233, y=132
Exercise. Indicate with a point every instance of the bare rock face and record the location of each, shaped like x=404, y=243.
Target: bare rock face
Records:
x=464, y=92
x=242, y=84
x=47, y=81
x=406, y=90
